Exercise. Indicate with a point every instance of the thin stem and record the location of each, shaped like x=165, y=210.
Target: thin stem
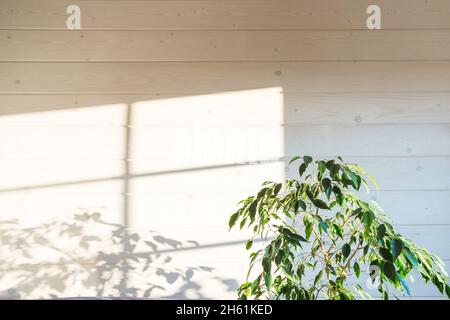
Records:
x=325, y=256
x=351, y=256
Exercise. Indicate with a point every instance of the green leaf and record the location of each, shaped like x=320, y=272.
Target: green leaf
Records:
x=366, y=249
x=298, y=237
x=356, y=212
x=338, y=230
x=339, y=196
x=249, y=244
x=288, y=233
x=294, y=159
x=411, y=258
x=331, y=268
x=439, y=284
x=268, y=280
x=277, y=246
x=318, y=278
x=405, y=285
x=359, y=181
x=308, y=231
x=367, y=218
x=357, y=269
x=381, y=231
x=346, y=250
x=321, y=204
x=324, y=226
x=261, y=193
x=308, y=227
x=396, y=247
x=310, y=195
x=277, y=188
x=346, y=294
x=389, y=271
x=302, y=169
x=279, y=258
x=252, y=210
x=266, y=263
x=329, y=164
x=322, y=169
x=326, y=183
x=386, y=254
x=334, y=170
x=242, y=224
x=364, y=205
x=300, y=203
x=307, y=159
x=233, y=219
x=353, y=178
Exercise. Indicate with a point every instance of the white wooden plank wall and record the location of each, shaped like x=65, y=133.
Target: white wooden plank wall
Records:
x=161, y=115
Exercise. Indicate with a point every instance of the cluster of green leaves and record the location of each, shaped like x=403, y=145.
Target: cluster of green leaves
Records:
x=318, y=237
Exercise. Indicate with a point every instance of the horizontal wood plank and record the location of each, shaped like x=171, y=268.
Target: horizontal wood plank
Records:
x=414, y=207
x=370, y=140
x=431, y=237
x=423, y=173
x=404, y=207
x=245, y=14
x=200, y=78
x=398, y=45
x=229, y=141
x=434, y=238
x=361, y=108
x=26, y=174
x=391, y=174
x=303, y=108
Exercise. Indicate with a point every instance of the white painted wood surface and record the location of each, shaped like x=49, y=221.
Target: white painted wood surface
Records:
x=161, y=115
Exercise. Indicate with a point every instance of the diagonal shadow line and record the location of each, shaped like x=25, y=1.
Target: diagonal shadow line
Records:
x=198, y=247
x=145, y=254
x=146, y=174
x=142, y=254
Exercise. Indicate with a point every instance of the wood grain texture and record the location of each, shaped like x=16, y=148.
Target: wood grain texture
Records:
x=26, y=174
x=414, y=207
x=370, y=140
x=384, y=45
x=200, y=78
x=396, y=173
x=107, y=142
x=299, y=108
x=212, y=14
x=392, y=174
x=404, y=207
x=133, y=115
x=433, y=238
x=362, y=108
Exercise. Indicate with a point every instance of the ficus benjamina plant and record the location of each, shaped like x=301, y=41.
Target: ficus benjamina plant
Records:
x=316, y=237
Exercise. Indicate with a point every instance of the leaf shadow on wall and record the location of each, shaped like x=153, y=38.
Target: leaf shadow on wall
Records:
x=84, y=254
